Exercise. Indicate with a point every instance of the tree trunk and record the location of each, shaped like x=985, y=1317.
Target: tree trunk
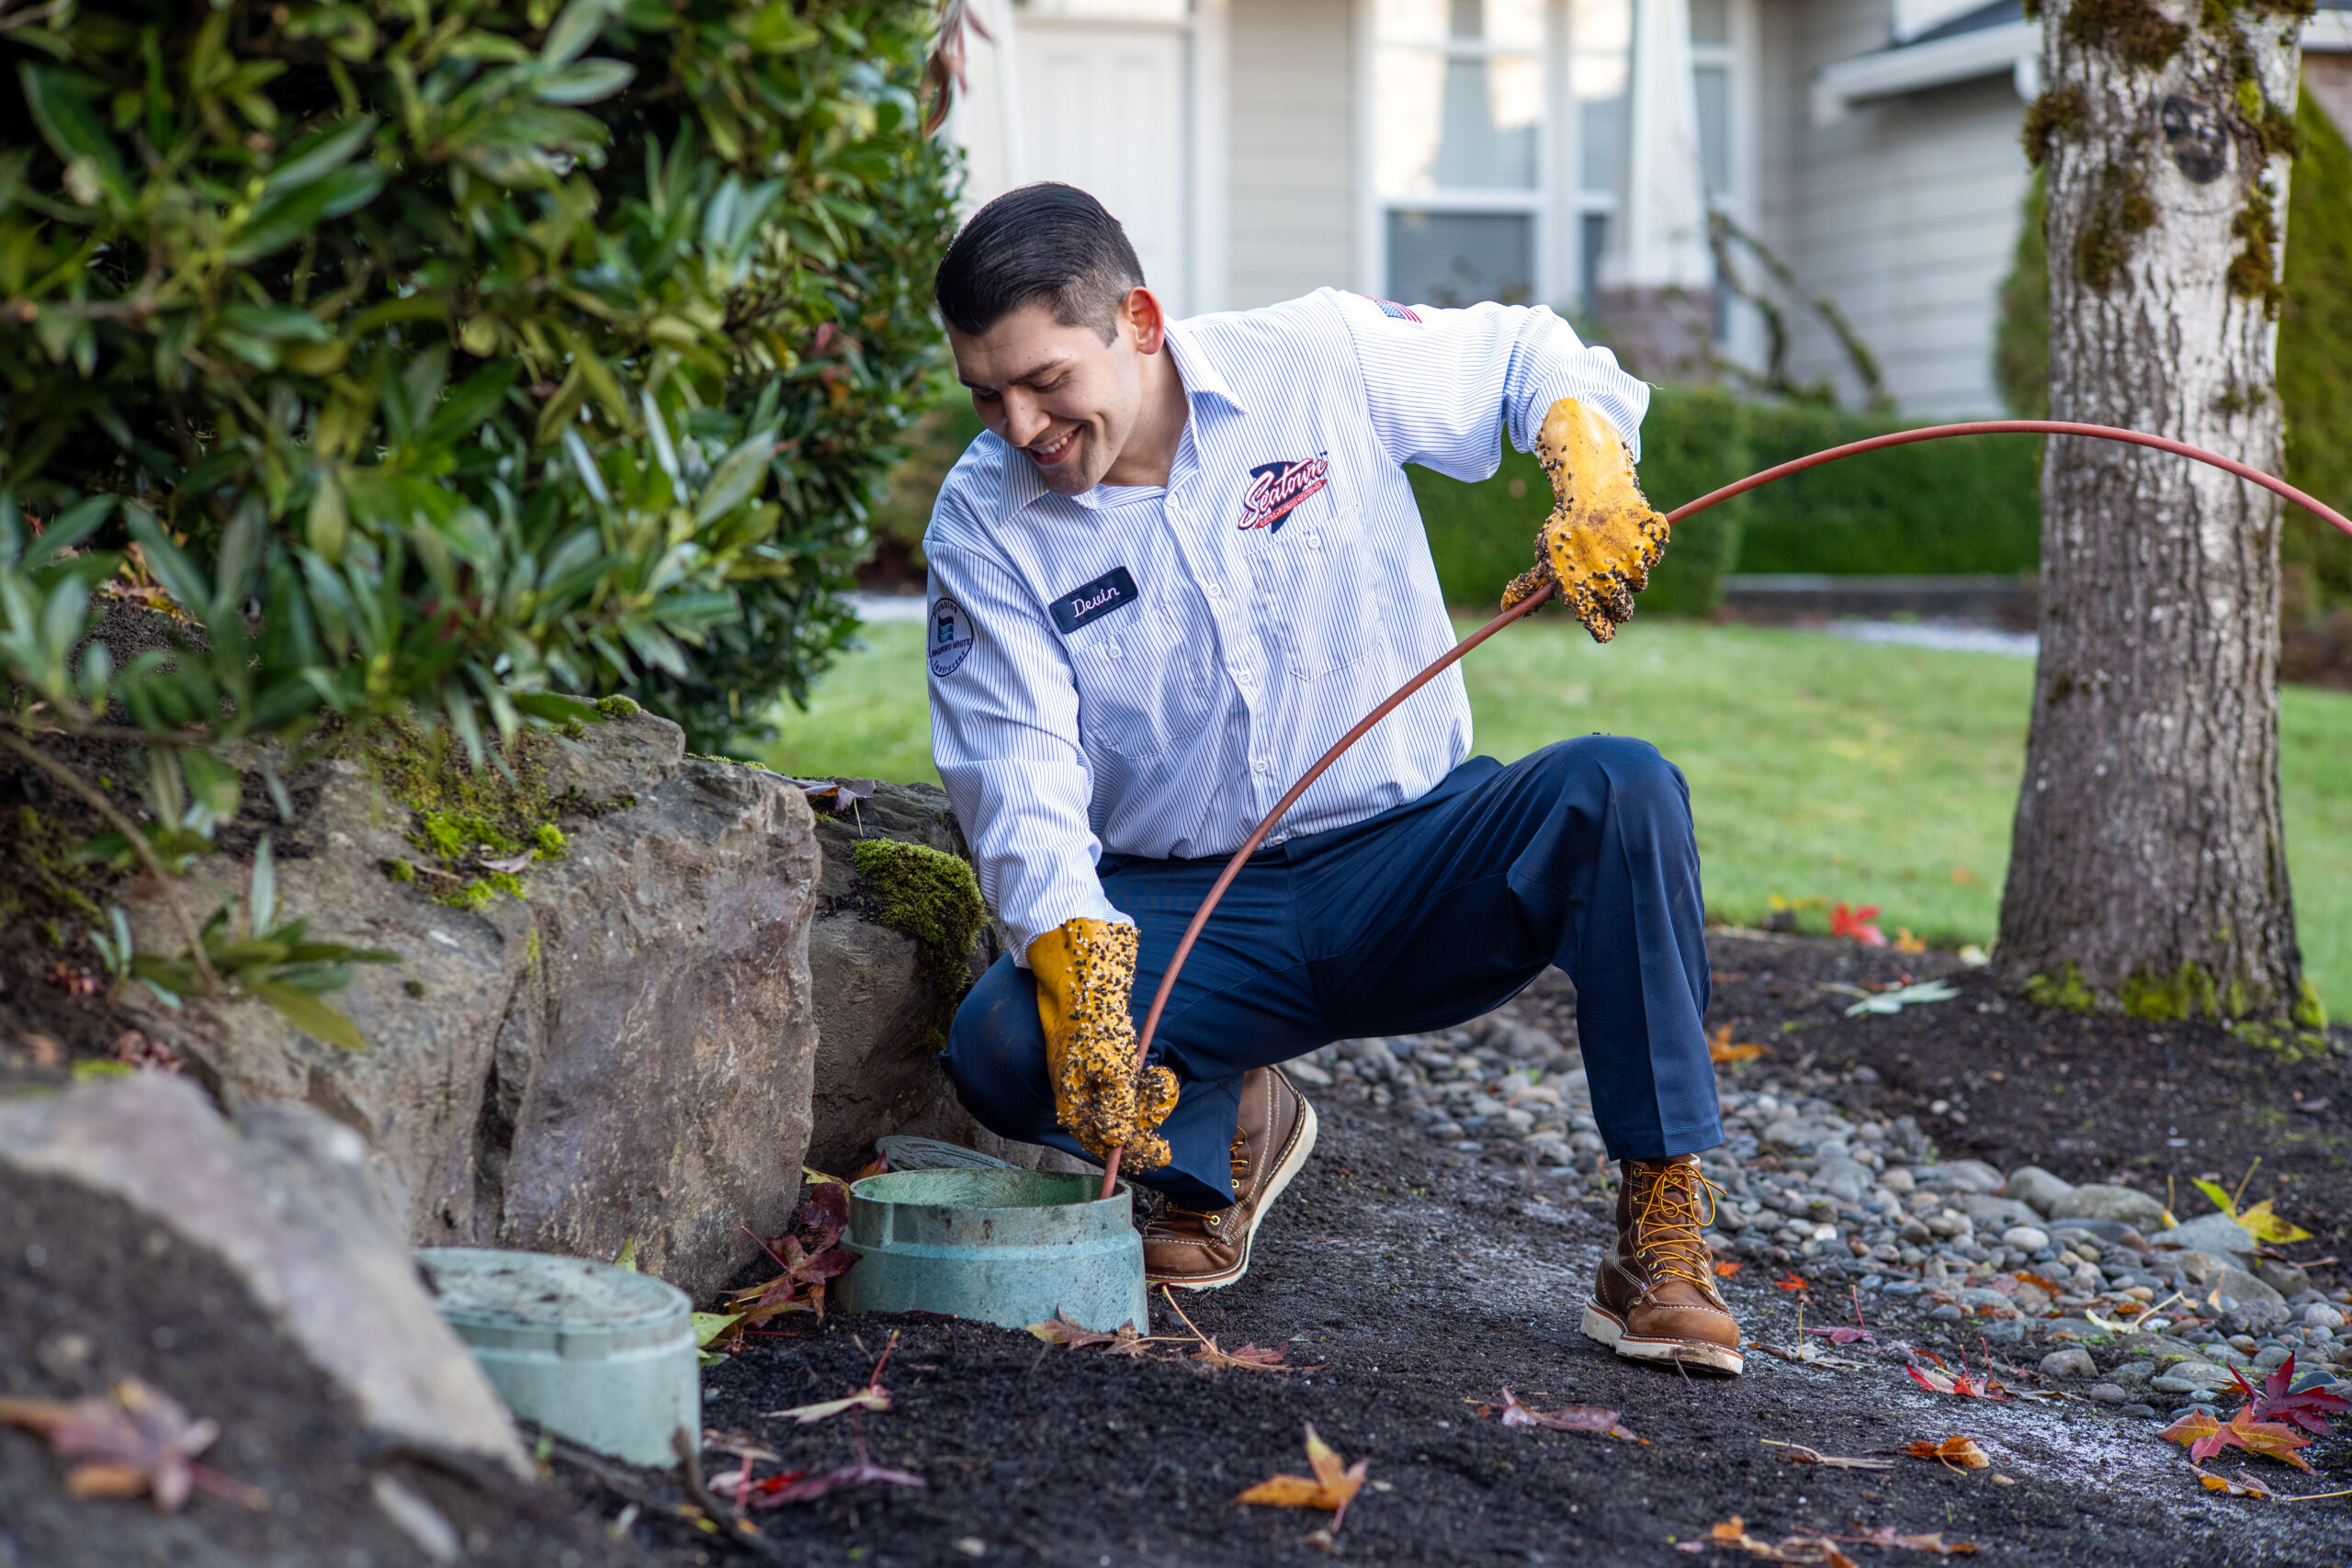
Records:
x=2149, y=864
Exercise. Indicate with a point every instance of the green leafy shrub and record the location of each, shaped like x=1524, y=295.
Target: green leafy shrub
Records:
x=461, y=358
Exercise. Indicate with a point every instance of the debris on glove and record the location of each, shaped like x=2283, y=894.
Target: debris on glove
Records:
x=1603, y=536
x=1099, y=1096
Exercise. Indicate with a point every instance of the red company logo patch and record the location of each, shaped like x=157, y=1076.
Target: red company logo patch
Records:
x=1277, y=490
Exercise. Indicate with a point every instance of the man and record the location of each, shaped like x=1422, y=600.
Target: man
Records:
x=1181, y=562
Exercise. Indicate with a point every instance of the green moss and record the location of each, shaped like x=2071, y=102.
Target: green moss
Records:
x=2066, y=993
x=2254, y=271
x=2057, y=112
x=2310, y=1011
x=935, y=899
x=42, y=875
x=2290, y=1044
x=2134, y=31
x=2120, y=212
x=2188, y=992
x=463, y=817
x=617, y=708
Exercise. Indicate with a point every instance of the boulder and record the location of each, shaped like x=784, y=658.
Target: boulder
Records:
x=879, y=1013
x=2099, y=1201
x=2035, y=1188
x=305, y=1239
x=2074, y=1362
x=624, y=1054
x=2211, y=1275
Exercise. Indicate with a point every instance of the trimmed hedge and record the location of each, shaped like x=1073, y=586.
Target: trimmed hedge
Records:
x=1940, y=508
x=2315, y=356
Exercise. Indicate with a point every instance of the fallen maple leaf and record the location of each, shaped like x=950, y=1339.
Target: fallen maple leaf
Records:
x=2204, y=1436
x=2276, y=1400
x=1804, y=1455
x=1059, y=1329
x=1726, y=1270
x=794, y=1486
x=1575, y=1418
x=1333, y=1487
x=2259, y=1221
x=1249, y=1358
x=1905, y=943
x=1844, y=1333
x=1721, y=1050
x=1885, y=1536
x=1816, y=1549
x=1953, y=1453
x=813, y=1254
x=1855, y=923
x=873, y=1396
x=2249, y=1486
x=1961, y=1385
x=138, y=1441
x=1793, y=1282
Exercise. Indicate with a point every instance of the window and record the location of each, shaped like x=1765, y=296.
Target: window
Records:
x=1460, y=161
x=1601, y=53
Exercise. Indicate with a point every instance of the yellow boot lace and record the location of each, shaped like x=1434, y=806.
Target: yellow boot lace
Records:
x=1669, y=1210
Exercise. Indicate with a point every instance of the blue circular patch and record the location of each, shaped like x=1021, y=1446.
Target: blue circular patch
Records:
x=951, y=637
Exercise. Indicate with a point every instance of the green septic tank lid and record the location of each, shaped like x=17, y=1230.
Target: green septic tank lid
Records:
x=579, y=1308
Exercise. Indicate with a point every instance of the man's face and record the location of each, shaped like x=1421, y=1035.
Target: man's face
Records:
x=1063, y=397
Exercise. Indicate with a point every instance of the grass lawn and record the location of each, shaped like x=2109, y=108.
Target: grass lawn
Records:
x=1818, y=768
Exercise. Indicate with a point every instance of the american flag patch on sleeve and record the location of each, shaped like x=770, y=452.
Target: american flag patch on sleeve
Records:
x=1390, y=308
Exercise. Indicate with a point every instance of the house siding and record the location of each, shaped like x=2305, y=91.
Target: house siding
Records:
x=1904, y=213
x=1292, y=197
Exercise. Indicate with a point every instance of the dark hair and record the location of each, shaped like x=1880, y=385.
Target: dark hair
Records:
x=1045, y=242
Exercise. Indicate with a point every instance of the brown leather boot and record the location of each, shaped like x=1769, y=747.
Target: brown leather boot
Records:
x=1655, y=1298
x=1201, y=1249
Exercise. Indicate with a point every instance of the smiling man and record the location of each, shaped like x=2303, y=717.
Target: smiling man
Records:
x=1184, y=560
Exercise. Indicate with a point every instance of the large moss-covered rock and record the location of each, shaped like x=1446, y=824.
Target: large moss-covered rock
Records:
x=885, y=972
x=622, y=1054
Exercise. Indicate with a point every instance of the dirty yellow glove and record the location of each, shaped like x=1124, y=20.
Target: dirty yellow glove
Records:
x=1086, y=973
x=1602, y=536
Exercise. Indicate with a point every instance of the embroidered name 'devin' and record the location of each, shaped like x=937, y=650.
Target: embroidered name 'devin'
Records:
x=1114, y=589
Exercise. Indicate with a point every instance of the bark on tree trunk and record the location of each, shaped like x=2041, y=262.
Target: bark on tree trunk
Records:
x=2149, y=862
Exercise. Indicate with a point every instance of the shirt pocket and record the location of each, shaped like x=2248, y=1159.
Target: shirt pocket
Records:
x=1143, y=688
x=1327, y=596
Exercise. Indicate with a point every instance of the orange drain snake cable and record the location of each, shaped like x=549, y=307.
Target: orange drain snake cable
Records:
x=1893, y=438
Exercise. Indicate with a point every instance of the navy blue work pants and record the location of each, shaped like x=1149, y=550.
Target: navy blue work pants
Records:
x=1421, y=917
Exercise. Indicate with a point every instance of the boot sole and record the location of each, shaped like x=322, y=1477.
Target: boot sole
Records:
x=1601, y=1323
x=1302, y=1143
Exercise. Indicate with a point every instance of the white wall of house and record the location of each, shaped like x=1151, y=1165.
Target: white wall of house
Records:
x=1292, y=98
x=1904, y=212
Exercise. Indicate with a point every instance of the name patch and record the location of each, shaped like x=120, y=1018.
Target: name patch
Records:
x=1277, y=490
x=1114, y=589
x=951, y=637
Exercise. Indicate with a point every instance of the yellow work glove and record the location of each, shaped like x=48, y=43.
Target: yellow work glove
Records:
x=1603, y=536
x=1086, y=973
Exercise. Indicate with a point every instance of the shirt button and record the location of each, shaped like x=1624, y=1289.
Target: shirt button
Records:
x=1243, y=676
x=1314, y=541
x=1112, y=650
x=1213, y=591
x=1259, y=765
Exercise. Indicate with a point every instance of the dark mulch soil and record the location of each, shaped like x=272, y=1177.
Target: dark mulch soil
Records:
x=1417, y=1281
x=90, y=1293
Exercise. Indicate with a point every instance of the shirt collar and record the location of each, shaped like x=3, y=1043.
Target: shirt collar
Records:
x=1023, y=484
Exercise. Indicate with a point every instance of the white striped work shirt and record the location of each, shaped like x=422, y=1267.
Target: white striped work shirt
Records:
x=1146, y=670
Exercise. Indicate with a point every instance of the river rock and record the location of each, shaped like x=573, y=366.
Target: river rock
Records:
x=1964, y=1176
x=2214, y=1233
x=2074, y=1362
x=2035, y=1188
x=148, y=1169
x=2100, y=1201
x=623, y=1054
x=1994, y=1215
